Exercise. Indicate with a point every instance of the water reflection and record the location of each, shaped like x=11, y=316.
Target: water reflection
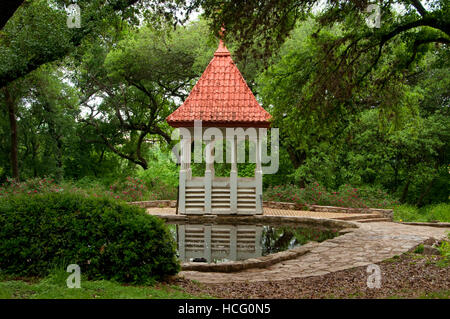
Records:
x=219, y=243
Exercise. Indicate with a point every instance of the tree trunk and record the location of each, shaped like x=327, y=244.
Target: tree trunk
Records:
x=405, y=191
x=13, y=129
x=425, y=193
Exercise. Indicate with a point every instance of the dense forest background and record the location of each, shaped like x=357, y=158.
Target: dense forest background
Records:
x=357, y=106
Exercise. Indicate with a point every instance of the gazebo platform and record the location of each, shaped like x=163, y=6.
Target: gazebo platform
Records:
x=372, y=217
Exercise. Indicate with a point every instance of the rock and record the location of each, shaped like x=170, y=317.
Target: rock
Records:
x=431, y=242
x=429, y=250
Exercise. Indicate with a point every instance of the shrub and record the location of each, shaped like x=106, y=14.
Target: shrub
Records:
x=316, y=194
x=31, y=186
x=128, y=189
x=108, y=239
x=132, y=189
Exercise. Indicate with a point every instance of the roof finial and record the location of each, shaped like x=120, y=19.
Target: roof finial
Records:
x=222, y=49
x=221, y=33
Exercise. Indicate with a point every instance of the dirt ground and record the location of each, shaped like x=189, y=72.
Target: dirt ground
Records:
x=407, y=276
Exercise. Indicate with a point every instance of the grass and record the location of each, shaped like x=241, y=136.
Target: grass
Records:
x=54, y=287
x=419, y=249
x=443, y=294
x=429, y=213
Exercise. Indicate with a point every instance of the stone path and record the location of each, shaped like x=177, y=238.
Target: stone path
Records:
x=369, y=244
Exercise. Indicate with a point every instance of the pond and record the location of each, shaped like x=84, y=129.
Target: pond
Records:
x=216, y=243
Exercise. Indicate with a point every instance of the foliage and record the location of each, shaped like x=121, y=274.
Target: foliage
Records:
x=419, y=249
x=353, y=57
x=161, y=177
x=139, y=80
x=107, y=239
x=132, y=189
x=127, y=188
x=444, y=249
x=316, y=194
x=348, y=113
x=37, y=33
x=428, y=213
x=30, y=187
x=400, y=147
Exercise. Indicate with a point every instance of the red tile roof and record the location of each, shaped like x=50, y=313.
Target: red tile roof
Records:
x=220, y=97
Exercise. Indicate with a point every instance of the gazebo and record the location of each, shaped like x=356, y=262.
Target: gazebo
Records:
x=222, y=103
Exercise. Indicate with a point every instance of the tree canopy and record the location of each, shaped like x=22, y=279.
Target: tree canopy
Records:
x=356, y=103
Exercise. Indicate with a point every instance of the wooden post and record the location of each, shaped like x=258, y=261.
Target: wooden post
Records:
x=209, y=175
x=233, y=177
x=184, y=172
x=258, y=176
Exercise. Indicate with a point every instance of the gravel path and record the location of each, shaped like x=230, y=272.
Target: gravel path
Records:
x=408, y=276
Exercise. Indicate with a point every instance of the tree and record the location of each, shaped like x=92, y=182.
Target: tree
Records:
x=392, y=136
x=37, y=32
x=139, y=82
x=10, y=102
x=41, y=111
x=352, y=55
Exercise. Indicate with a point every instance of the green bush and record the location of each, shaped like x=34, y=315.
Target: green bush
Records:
x=108, y=239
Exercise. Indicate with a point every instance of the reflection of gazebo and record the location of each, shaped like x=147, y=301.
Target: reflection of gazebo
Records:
x=212, y=243
x=220, y=99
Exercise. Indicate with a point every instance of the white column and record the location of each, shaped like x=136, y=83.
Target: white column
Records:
x=233, y=177
x=258, y=176
x=188, y=159
x=209, y=175
x=185, y=168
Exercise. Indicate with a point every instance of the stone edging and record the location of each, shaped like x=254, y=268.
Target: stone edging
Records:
x=260, y=262
x=155, y=203
x=438, y=224
x=264, y=261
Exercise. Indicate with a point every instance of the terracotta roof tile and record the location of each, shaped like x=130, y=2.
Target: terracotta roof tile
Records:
x=220, y=97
